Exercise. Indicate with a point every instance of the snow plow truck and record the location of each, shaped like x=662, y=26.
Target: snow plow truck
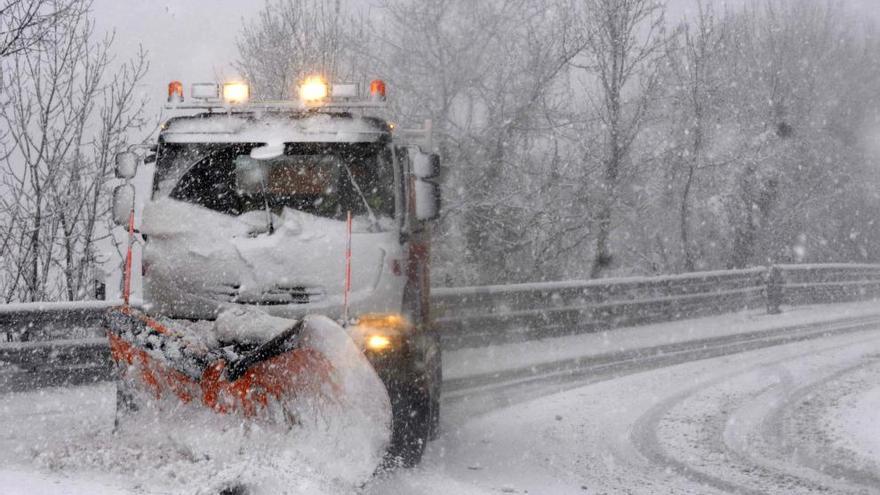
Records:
x=285, y=252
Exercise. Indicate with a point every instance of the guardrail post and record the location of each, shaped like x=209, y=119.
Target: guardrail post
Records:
x=774, y=286
x=100, y=290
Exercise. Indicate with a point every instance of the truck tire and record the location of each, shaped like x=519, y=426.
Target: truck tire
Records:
x=410, y=426
x=435, y=404
x=434, y=426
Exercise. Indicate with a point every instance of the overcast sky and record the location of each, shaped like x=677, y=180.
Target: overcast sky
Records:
x=194, y=40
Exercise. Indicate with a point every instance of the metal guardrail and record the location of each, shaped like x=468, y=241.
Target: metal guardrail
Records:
x=476, y=316
x=814, y=284
x=39, y=321
x=62, y=343
x=56, y=362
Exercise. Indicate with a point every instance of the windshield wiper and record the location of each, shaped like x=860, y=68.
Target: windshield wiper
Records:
x=199, y=160
x=374, y=223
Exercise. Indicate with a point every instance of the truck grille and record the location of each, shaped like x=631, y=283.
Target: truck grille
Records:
x=278, y=295
x=225, y=292
x=298, y=294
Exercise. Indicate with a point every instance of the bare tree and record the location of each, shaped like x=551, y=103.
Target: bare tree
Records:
x=25, y=24
x=624, y=39
x=783, y=58
x=82, y=205
x=696, y=83
x=66, y=117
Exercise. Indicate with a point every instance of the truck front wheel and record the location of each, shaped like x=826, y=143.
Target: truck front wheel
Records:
x=410, y=426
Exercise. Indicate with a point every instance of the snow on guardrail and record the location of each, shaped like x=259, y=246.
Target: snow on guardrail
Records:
x=41, y=307
x=601, y=282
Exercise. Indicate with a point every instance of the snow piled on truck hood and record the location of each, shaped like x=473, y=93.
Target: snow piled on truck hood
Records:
x=194, y=251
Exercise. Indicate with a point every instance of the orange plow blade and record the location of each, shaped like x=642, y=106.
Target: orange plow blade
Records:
x=163, y=364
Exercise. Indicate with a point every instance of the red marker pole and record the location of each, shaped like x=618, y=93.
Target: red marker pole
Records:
x=347, y=288
x=126, y=289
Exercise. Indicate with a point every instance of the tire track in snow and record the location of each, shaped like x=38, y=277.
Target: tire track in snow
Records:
x=746, y=472
x=800, y=418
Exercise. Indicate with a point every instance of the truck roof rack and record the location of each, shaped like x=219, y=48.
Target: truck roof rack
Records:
x=274, y=105
x=316, y=97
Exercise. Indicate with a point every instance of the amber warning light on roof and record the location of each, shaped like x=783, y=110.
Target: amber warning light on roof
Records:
x=175, y=92
x=377, y=90
x=314, y=90
x=236, y=92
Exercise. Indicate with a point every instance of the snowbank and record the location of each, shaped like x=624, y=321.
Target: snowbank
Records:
x=862, y=425
x=465, y=363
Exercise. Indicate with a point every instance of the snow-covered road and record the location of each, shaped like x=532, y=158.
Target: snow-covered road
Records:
x=736, y=404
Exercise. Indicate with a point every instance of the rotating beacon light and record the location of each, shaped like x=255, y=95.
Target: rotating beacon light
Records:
x=175, y=92
x=377, y=90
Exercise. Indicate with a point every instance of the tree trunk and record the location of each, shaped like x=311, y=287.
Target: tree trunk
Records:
x=602, y=258
x=684, y=221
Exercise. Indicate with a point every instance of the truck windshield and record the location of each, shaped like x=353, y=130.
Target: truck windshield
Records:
x=323, y=179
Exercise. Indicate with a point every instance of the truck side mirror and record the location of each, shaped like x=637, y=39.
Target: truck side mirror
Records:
x=126, y=164
x=427, y=195
x=123, y=203
x=426, y=165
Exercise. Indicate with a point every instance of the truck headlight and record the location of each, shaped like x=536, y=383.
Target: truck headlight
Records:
x=380, y=332
x=378, y=342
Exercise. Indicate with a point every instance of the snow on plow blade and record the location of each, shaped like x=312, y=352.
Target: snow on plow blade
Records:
x=158, y=359
x=274, y=364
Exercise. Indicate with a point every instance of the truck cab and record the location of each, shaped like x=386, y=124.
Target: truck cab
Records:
x=309, y=207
